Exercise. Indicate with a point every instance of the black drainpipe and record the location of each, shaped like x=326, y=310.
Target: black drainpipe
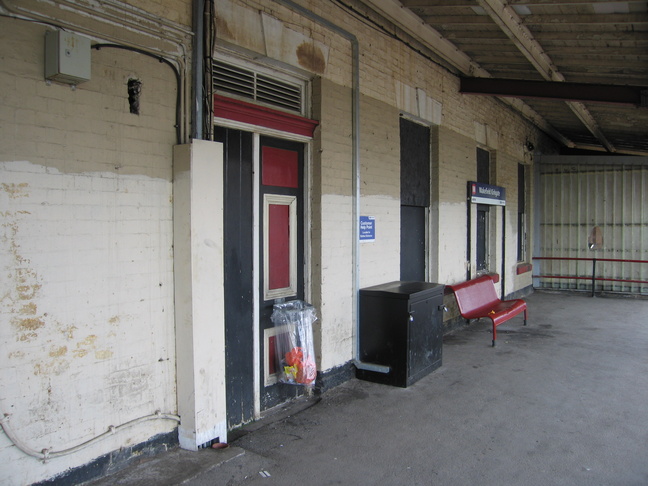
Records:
x=198, y=70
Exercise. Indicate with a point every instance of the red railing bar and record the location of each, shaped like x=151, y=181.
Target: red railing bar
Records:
x=590, y=278
x=593, y=278
x=561, y=276
x=621, y=280
x=590, y=259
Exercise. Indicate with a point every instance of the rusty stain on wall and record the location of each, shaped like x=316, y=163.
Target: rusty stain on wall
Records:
x=311, y=57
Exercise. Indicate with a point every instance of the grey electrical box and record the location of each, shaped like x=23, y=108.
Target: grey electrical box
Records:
x=67, y=57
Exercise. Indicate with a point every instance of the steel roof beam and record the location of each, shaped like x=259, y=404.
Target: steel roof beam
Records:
x=595, y=93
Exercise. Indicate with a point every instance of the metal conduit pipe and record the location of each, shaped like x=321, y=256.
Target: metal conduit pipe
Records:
x=355, y=135
x=46, y=454
x=127, y=15
x=156, y=20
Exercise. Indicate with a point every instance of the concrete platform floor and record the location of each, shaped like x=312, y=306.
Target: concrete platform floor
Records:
x=562, y=401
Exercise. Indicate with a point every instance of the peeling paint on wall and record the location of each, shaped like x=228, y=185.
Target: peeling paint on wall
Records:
x=58, y=351
x=103, y=354
x=84, y=347
x=51, y=368
x=16, y=190
x=25, y=284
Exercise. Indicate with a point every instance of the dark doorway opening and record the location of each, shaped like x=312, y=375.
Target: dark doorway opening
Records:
x=415, y=199
x=483, y=175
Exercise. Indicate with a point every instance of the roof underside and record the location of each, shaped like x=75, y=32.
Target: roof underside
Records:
x=564, y=41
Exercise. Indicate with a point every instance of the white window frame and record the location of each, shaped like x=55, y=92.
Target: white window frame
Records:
x=291, y=202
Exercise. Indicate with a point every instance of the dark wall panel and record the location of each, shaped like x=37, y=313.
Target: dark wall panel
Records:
x=239, y=331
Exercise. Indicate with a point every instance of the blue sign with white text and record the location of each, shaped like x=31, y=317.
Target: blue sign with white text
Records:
x=481, y=193
x=367, y=228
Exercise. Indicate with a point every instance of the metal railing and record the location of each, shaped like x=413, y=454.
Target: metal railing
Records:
x=593, y=278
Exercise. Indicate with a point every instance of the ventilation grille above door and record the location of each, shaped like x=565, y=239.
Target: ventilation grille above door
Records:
x=249, y=84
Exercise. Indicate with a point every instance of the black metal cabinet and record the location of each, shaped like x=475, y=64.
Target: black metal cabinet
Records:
x=401, y=327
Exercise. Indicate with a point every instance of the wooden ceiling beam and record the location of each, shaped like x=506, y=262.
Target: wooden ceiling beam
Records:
x=553, y=3
x=632, y=48
x=394, y=12
x=600, y=37
x=511, y=23
x=526, y=3
x=613, y=63
x=430, y=18
x=415, y=26
x=589, y=30
x=582, y=19
x=437, y=3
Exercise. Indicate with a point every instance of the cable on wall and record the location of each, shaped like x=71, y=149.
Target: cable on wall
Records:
x=47, y=454
x=209, y=43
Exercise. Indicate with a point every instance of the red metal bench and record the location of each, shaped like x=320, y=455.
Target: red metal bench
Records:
x=477, y=299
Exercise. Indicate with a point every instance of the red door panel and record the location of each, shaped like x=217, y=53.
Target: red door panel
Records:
x=279, y=246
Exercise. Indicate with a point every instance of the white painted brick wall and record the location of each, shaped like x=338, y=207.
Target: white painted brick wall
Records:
x=380, y=191
x=85, y=252
x=336, y=282
x=88, y=302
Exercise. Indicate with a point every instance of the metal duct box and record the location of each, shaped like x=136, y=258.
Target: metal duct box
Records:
x=401, y=327
x=67, y=57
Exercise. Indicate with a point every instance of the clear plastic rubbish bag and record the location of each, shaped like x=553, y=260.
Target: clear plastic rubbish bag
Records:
x=294, y=349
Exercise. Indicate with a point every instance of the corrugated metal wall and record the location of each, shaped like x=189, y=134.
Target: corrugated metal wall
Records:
x=577, y=194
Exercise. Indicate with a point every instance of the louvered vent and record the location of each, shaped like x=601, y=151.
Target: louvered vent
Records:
x=256, y=86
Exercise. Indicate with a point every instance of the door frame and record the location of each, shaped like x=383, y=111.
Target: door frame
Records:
x=257, y=132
